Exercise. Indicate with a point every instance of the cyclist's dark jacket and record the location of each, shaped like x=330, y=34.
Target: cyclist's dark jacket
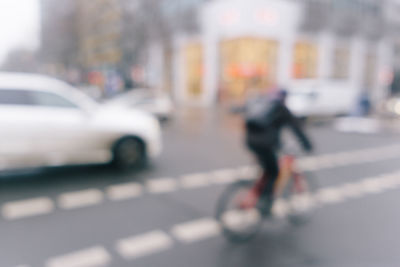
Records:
x=266, y=133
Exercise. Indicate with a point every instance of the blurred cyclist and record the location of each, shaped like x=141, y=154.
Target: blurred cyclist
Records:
x=265, y=117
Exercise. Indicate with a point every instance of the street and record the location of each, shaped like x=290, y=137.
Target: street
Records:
x=162, y=215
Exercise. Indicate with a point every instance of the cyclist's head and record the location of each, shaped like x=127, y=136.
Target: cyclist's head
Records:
x=281, y=95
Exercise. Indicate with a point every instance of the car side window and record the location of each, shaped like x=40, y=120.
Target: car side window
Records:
x=46, y=99
x=144, y=100
x=14, y=97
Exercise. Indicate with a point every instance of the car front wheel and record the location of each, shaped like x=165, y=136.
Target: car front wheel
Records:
x=128, y=153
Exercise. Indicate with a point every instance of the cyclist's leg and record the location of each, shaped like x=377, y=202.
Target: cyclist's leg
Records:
x=271, y=167
x=269, y=163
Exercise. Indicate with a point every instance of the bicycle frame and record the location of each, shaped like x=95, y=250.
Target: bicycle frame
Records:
x=287, y=171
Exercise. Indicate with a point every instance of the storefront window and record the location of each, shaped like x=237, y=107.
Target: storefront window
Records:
x=194, y=66
x=341, y=61
x=247, y=64
x=305, y=60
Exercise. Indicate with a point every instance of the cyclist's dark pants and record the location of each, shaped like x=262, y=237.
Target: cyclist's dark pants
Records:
x=269, y=162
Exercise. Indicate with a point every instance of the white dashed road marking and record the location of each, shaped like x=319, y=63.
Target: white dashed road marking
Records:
x=124, y=191
x=80, y=199
x=142, y=245
x=225, y=176
x=372, y=185
x=329, y=196
x=247, y=172
x=195, y=180
x=92, y=257
x=280, y=208
x=196, y=230
x=163, y=185
x=351, y=190
x=309, y=163
x=27, y=208
x=204, y=228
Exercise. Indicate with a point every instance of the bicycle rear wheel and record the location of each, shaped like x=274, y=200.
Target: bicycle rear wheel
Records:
x=299, y=198
x=239, y=222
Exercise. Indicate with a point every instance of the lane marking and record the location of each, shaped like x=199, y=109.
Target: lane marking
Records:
x=124, y=191
x=196, y=230
x=280, y=208
x=248, y=172
x=303, y=202
x=224, y=176
x=91, y=257
x=189, y=232
x=195, y=180
x=162, y=185
x=342, y=159
x=391, y=181
x=372, y=186
x=143, y=245
x=309, y=163
x=325, y=161
x=329, y=195
x=27, y=208
x=79, y=199
x=351, y=190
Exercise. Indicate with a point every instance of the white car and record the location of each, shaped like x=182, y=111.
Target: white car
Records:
x=46, y=122
x=154, y=102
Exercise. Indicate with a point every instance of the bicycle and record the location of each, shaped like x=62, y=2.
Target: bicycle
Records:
x=238, y=210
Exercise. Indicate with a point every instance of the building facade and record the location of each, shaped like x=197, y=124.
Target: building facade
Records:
x=259, y=44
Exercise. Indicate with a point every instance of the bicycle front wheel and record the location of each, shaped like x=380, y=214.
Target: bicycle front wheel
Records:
x=236, y=211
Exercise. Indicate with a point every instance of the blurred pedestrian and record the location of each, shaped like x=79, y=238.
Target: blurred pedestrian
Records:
x=363, y=105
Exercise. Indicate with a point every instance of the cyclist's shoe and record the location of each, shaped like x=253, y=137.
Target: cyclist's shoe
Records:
x=264, y=205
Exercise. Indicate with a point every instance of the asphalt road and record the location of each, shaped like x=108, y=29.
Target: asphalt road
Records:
x=163, y=215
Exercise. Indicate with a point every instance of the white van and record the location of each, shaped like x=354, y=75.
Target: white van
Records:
x=322, y=97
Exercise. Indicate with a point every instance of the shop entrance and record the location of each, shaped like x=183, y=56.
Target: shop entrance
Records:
x=194, y=73
x=246, y=64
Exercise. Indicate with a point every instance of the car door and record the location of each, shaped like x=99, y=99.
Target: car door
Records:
x=62, y=130
x=17, y=121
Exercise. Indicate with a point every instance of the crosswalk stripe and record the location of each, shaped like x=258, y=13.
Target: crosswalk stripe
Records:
x=143, y=245
x=72, y=200
x=27, y=208
x=195, y=180
x=124, y=191
x=79, y=199
x=162, y=185
x=91, y=257
x=224, y=176
x=196, y=230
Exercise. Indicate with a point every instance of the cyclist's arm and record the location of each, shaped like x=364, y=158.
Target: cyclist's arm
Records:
x=294, y=124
